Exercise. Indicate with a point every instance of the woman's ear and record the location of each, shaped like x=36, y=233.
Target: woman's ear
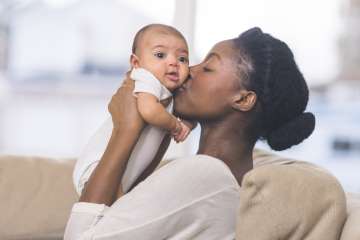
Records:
x=134, y=61
x=244, y=100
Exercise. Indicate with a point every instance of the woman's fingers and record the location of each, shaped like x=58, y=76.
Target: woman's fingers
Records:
x=122, y=107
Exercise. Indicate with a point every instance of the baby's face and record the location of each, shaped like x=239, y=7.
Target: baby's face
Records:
x=166, y=56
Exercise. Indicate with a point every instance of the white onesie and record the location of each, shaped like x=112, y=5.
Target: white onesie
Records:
x=144, y=150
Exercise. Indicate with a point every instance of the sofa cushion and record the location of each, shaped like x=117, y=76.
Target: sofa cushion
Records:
x=287, y=199
x=36, y=196
x=351, y=228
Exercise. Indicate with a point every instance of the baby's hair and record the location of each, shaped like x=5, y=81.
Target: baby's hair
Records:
x=164, y=28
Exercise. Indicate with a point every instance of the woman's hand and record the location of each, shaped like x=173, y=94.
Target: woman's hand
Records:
x=123, y=108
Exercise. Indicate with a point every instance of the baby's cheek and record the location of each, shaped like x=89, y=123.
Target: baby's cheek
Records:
x=187, y=69
x=155, y=69
x=182, y=80
x=184, y=74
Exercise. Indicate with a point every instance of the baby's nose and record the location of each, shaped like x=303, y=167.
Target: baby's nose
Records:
x=173, y=61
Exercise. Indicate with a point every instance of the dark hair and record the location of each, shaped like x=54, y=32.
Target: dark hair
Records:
x=272, y=73
x=165, y=28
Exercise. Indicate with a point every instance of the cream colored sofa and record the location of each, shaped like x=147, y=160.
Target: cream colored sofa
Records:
x=280, y=199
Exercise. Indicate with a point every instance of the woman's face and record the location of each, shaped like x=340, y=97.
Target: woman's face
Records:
x=208, y=93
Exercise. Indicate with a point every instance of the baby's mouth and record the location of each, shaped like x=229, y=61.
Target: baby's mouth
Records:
x=173, y=76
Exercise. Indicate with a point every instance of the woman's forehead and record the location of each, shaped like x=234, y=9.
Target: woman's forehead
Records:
x=225, y=52
x=224, y=49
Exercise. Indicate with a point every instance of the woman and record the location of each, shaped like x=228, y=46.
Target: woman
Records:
x=246, y=89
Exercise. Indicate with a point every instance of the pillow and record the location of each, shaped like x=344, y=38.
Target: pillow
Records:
x=36, y=196
x=288, y=199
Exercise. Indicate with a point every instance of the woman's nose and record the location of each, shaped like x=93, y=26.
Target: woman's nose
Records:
x=193, y=70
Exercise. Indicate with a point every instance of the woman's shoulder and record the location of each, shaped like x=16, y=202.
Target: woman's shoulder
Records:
x=202, y=168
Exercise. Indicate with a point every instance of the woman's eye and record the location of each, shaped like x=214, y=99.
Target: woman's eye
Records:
x=159, y=55
x=207, y=69
x=183, y=59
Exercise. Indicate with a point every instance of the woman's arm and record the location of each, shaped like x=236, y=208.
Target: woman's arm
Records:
x=104, y=183
x=154, y=163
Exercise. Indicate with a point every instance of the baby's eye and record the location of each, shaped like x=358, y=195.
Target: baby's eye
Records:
x=159, y=55
x=183, y=59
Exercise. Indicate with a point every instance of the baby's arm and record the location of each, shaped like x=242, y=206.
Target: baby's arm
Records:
x=149, y=90
x=154, y=113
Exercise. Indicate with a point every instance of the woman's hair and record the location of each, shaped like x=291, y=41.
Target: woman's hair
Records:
x=269, y=69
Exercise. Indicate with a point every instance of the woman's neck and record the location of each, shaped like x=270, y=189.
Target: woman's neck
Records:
x=228, y=144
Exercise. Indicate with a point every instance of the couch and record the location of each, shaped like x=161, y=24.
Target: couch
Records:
x=281, y=198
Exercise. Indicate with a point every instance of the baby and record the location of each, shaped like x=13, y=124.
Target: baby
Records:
x=160, y=65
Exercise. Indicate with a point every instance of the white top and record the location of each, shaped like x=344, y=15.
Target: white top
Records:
x=144, y=150
x=195, y=198
x=145, y=81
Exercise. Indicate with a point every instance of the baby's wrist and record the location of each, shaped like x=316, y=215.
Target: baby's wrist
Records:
x=176, y=128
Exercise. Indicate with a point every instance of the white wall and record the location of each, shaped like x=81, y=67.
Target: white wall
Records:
x=44, y=38
x=310, y=28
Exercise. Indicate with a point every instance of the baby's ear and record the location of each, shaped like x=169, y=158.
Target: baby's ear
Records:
x=134, y=61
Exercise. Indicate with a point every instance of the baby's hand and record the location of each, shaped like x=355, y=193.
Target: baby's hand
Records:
x=190, y=124
x=178, y=128
x=183, y=133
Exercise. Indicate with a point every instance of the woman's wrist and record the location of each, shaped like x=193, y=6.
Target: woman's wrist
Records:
x=128, y=134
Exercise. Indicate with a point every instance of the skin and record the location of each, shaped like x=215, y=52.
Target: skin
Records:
x=213, y=95
x=165, y=55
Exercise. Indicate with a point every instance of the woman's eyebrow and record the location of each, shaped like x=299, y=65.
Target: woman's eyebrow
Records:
x=213, y=54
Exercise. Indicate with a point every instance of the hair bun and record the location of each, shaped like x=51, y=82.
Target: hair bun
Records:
x=252, y=32
x=292, y=133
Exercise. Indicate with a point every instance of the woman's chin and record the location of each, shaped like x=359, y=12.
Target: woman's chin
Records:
x=187, y=116
x=182, y=112
x=183, y=107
